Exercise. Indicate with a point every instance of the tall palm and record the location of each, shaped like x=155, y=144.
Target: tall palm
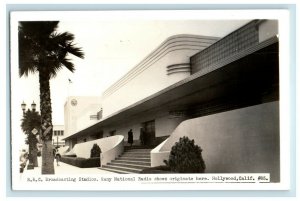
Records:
x=42, y=49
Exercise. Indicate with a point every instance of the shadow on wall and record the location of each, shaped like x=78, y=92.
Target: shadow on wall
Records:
x=239, y=141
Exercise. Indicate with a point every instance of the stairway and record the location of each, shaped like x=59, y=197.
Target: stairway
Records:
x=132, y=161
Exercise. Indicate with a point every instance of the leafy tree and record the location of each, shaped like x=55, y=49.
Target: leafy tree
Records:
x=44, y=51
x=31, y=120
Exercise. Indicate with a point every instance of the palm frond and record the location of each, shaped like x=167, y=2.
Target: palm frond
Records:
x=38, y=29
x=65, y=41
x=41, y=48
x=76, y=51
x=27, y=69
x=68, y=64
x=62, y=38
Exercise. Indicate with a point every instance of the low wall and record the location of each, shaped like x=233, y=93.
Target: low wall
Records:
x=239, y=141
x=111, y=154
x=111, y=147
x=158, y=156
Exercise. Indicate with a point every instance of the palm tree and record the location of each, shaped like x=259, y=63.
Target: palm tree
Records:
x=42, y=49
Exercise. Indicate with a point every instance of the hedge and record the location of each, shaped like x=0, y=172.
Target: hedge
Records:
x=157, y=170
x=74, y=155
x=81, y=162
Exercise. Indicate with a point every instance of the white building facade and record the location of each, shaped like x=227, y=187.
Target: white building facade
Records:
x=223, y=93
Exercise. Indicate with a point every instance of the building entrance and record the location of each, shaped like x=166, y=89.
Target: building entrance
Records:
x=149, y=133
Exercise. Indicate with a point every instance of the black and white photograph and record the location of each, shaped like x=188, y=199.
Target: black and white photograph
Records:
x=149, y=100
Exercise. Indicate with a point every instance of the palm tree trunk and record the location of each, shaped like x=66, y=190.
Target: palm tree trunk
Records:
x=47, y=157
x=46, y=122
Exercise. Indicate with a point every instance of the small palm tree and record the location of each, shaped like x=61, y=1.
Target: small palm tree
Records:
x=43, y=50
x=31, y=120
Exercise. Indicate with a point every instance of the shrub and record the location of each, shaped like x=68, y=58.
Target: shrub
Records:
x=186, y=157
x=72, y=155
x=95, y=151
x=82, y=162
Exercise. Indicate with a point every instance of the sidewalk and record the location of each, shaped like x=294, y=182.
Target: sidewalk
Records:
x=62, y=169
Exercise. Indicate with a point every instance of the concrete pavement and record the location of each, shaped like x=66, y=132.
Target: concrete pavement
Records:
x=63, y=169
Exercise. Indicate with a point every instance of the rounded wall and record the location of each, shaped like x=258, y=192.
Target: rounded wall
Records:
x=83, y=150
x=148, y=82
x=239, y=141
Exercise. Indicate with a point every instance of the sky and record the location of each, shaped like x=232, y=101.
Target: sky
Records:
x=112, y=46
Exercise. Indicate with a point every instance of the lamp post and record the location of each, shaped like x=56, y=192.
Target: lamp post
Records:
x=32, y=132
x=23, y=106
x=33, y=106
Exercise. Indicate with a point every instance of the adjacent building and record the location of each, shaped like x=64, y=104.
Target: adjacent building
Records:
x=80, y=113
x=58, y=136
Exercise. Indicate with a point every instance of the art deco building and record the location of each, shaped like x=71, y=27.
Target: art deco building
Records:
x=221, y=92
